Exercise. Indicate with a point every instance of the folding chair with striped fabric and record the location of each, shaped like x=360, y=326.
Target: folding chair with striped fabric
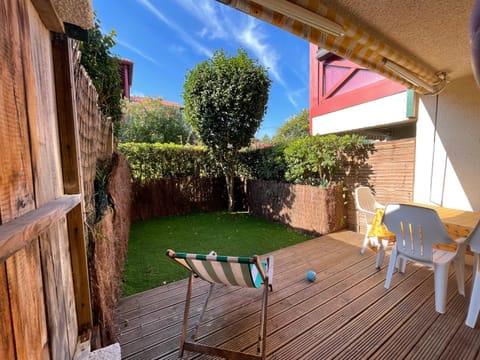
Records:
x=227, y=270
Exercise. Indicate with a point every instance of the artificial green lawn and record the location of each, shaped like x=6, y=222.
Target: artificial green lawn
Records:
x=235, y=234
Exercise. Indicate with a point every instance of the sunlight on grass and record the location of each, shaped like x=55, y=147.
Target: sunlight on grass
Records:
x=235, y=234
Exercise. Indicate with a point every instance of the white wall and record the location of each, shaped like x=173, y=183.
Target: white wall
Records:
x=447, y=169
x=385, y=111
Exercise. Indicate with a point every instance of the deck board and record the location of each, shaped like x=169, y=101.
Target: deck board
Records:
x=345, y=314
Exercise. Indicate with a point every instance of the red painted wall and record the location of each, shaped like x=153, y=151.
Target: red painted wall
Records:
x=336, y=84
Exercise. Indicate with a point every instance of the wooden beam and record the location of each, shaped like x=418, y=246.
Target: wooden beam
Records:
x=228, y=354
x=81, y=282
x=70, y=157
x=16, y=234
x=67, y=114
x=7, y=346
x=49, y=15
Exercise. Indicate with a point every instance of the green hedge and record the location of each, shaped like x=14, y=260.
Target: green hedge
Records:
x=264, y=163
x=314, y=160
x=150, y=162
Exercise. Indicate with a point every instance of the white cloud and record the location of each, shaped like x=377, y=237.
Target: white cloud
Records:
x=292, y=100
x=295, y=96
x=203, y=33
x=182, y=33
x=137, y=51
x=249, y=33
x=253, y=38
x=179, y=49
x=211, y=16
x=218, y=25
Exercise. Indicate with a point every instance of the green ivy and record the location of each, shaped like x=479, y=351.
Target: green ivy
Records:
x=103, y=69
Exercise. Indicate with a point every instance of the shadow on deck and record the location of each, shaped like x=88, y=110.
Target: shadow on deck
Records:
x=345, y=314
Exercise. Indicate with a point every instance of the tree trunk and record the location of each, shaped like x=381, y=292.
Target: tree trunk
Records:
x=230, y=180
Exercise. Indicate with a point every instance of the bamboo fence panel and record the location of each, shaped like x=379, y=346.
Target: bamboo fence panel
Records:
x=390, y=173
x=95, y=134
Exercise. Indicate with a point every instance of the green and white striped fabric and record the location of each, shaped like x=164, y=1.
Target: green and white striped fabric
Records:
x=228, y=270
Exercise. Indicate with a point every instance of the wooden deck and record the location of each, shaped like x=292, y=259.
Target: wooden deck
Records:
x=346, y=314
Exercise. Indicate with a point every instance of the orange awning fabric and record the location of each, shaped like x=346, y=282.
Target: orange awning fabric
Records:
x=355, y=44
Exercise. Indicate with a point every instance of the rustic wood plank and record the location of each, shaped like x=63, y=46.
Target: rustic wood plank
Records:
x=69, y=143
x=23, y=270
x=67, y=115
x=16, y=186
x=45, y=154
x=49, y=15
x=59, y=292
x=54, y=300
x=28, y=308
x=16, y=234
x=42, y=111
x=15, y=182
x=78, y=253
x=7, y=347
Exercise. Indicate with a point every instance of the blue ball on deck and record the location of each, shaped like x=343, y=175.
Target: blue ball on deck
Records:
x=311, y=275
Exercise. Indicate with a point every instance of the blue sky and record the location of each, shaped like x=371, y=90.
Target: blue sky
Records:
x=166, y=38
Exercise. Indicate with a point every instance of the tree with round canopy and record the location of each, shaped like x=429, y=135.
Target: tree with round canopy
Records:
x=225, y=100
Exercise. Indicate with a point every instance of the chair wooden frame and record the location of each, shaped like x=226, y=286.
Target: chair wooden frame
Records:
x=261, y=274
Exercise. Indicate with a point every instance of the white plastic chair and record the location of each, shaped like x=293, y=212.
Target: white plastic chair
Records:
x=417, y=230
x=474, y=307
x=366, y=204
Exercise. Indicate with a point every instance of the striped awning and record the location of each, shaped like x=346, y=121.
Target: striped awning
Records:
x=320, y=25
